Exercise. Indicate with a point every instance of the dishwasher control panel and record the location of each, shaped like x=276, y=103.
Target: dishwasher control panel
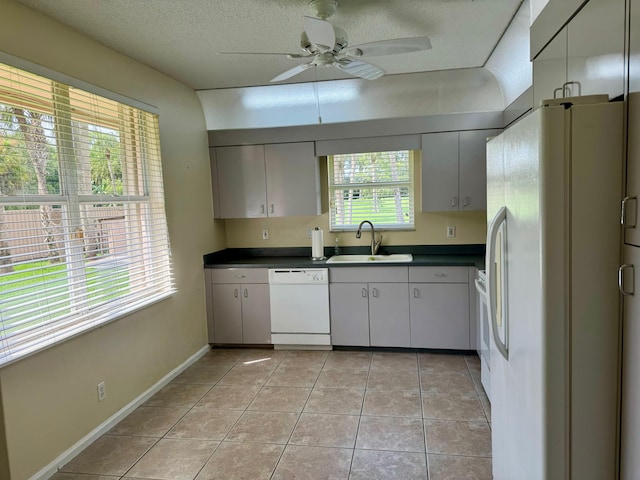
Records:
x=298, y=276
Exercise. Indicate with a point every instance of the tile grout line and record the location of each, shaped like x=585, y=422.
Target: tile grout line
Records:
x=364, y=396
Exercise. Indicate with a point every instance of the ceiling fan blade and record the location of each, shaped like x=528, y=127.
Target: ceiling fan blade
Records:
x=358, y=68
x=390, y=47
x=291, y=72
x=290, y=55
x=320, y=33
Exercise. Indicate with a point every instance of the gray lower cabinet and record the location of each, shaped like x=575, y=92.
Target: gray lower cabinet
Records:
x=370, y=306
x=239, y=312
x=389, y=315
x=227, y=313
x=349, y=314
x=439, y=308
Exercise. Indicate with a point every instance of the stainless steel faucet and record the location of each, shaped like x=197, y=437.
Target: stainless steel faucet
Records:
x=375, y=244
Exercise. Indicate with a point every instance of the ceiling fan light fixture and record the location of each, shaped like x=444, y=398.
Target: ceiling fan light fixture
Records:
x=323, y=8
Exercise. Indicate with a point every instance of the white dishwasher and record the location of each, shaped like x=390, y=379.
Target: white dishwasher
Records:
x=300, y=307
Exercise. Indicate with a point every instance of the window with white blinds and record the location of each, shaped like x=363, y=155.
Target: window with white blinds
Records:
x=83, y=233
x=374, y=186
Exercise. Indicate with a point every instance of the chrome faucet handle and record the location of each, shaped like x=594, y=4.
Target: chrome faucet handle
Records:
x=376, y=245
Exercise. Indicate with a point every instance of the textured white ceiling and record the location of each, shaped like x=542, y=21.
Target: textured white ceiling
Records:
x=182, y=37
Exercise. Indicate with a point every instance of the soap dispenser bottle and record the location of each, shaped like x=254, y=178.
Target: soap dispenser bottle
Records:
x=336, y=251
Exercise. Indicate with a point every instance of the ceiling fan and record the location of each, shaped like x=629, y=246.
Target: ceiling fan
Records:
x=328, y=46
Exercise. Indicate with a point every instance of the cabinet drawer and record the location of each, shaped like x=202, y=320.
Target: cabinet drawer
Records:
x=368, y=274
x=239, y=275
x=439, y=274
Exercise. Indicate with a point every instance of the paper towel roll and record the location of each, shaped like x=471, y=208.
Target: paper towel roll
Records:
x=317, y=245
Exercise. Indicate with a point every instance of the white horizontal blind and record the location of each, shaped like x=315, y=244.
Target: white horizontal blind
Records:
x=374, y=186
x=83, y=233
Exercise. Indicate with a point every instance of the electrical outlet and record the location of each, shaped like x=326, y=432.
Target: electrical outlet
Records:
x=265, y=234
x=102, y=391
x=309, y=230
x=451, y=232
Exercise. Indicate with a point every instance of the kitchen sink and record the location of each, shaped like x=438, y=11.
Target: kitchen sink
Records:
x=392, y=258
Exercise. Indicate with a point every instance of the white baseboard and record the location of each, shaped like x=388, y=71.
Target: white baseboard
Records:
x=108, y=424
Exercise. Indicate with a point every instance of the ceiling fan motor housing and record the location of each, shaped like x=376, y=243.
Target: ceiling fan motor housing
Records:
x=341, y=42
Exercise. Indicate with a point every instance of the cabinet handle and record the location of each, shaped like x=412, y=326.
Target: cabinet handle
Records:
x=621, y=280
x=374, y=292
x=364, y=293
x=239, y=276
x=416, y=293
x=272, y=209
x=566, y=91
x=246, y=293
x=623, y=218
x=465, y=201
x=235, y=293
x=262, y=208
x=440, y=275
x=454, y=201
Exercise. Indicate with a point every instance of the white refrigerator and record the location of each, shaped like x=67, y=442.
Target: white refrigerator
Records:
x=553, y=250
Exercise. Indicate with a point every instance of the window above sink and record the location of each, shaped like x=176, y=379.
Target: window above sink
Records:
x=375, y=186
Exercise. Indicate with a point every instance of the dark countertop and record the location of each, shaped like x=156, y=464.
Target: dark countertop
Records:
x=300, y=257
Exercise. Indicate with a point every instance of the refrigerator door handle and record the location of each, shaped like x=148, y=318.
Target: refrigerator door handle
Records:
x=492, y=234
x=621, y=286
x=623, y=219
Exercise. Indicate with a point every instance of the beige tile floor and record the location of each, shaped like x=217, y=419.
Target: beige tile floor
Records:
x=283, y=415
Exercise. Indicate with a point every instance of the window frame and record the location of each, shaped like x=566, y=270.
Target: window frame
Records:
x=141, y=128
x=409, y=184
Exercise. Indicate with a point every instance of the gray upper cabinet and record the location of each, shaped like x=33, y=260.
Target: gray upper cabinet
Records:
x=253, y=181
x=550, y=69
x=595, y=57
x=240, y=183
x=586, y=52
x=634, y=46
x=440, y=171
x=454, y=170
x=293, y=179
x=630, y=215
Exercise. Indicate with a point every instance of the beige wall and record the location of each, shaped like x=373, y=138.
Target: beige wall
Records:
x=430, y=228
x=50, y=399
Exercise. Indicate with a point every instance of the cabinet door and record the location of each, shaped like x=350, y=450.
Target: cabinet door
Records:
x=634, y=46
x=227, y=313
x=595, y=48
x=440, y=171
x=293, y=179
x=256, y=319
x=389, y=315
x=630, y=425
x=550, y=69
x=440, y=315
x=241, y=182
x=349, y=314
x=632, y=232
x=472, y=183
